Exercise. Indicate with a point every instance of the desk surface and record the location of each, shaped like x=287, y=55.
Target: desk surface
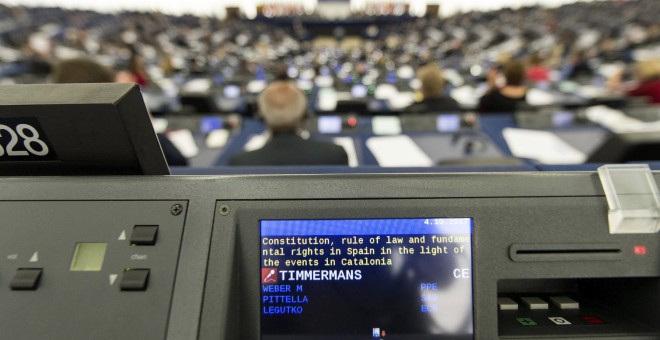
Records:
x=486, y=142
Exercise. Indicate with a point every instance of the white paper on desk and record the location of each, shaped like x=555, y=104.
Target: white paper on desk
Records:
x=538, y=97
x=199, y=85
x=394, y=151
x=543, y=146
x=617, y=121
x=591, y=91
x=217, y=138
x=256, y=142
x=160, y=124
x=343, y=95
x=401, y=100
x=327, y=99
x=465, y=95
x=349, y=147
x=184, y=141
x=386, y=125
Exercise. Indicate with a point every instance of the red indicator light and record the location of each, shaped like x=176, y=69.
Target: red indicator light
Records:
x=352, y=121
x=593, y=320
x=639, y=250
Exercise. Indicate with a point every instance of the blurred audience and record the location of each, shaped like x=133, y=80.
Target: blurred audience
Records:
x=164, y=52
x=607, y=29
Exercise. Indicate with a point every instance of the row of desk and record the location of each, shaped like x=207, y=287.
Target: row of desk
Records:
x=483, y=145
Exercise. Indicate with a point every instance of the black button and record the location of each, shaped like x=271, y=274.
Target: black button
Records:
x=144, y=235
x=134, y=279
x=26, y=279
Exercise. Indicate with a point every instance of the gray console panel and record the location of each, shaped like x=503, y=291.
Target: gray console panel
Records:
x=534, y=233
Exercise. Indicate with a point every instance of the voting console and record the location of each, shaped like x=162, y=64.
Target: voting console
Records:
x=363, y=256
x=463, y=256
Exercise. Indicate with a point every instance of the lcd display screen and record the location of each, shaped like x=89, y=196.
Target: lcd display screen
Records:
x=448, y=123
x=329, y=124
x=232, y=91
x=88, y=257
x=366, y=279
x=359, y=91
x=562, y=119
x=209, y=124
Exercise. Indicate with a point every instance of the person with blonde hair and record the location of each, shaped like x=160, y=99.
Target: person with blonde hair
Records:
x=646, y=84
x=647, y=73
x=283, y=106
x=432, y=85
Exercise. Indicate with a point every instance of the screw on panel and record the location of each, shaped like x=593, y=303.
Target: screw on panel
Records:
x=176, y=209
x=224, y=210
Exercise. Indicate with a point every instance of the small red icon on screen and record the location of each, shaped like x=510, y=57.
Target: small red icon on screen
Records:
x=268, y=276
x=639, y=250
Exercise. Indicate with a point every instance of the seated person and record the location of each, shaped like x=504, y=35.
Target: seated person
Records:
x=432, y=86
x=578, y=68
x=537, y=71
x=283, y=106
x=81, y=70
x=647, y=75
x=507, y=98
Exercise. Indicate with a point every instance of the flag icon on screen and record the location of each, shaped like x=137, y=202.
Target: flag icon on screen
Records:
x=268, y=276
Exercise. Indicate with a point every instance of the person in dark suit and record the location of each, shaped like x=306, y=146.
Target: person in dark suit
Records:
x=506, y=99
x=432, y=87
x=578, y=68
x=283, y=106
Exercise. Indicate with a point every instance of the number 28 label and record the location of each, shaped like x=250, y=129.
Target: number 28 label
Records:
x=23, y=139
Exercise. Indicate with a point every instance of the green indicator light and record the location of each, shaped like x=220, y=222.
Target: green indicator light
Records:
x=526, y=321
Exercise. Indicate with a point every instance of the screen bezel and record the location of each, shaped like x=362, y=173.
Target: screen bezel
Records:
x=243, y=240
